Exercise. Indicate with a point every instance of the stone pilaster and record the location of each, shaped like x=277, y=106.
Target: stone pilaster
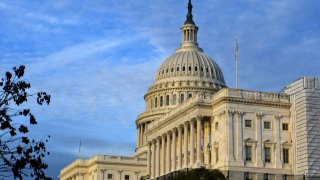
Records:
x=239, y=126
x=153, y=161
x=259, y=162
x=277, y=135
x=230, y=135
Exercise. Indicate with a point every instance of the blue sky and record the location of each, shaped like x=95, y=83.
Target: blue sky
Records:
x=98, y=57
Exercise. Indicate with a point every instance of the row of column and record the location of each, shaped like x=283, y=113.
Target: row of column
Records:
x=163, y=159
x=189, y=35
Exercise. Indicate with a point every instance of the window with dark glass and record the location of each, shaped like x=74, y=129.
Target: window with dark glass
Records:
x=247, y=123
x=167, y=100
x=285, y=126
x=156, y=102
x=177, y=68
x=285, y=156
x=267, y=125
x=248, y=153
x=183, y=68
x=190, y=95
x=174, y=99
x=196, y=68
x=126, y=177
x=201, y=69
x=181, y=98
x=189, y=68
x=267, y=155
x=109, y=176
x=161, y=101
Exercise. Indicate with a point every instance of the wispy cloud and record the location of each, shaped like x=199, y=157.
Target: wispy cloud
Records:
x=97, y=58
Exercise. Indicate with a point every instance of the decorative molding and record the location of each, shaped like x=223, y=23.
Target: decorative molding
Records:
x=259, y=115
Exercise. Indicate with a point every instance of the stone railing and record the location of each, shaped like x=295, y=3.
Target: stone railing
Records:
x=200, y=98
x=252, y=95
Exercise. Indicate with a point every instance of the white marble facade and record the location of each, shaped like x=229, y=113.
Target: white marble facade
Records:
x=193, y=119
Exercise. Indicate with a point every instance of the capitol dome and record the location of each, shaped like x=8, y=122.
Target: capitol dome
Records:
x=190, y=64
x=186, y=74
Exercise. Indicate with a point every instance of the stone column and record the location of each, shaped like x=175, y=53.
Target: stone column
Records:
x=142, y=134
x=192, y=142
x=199, y=129
x=277, y=149
x=179, y=147
x=259, y=162
x=168, y=154
x=163, y=155
x=174, y=149
x=138, y=135
x=158, y=157
x=185, y=135
x=149, y=159
x=153, y=161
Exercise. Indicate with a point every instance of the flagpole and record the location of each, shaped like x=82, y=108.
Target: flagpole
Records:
x=236, y=59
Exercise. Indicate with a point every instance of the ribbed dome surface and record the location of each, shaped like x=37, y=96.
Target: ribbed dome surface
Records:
x=191, y=64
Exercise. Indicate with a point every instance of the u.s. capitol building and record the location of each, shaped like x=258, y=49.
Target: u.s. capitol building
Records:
x=192, y=120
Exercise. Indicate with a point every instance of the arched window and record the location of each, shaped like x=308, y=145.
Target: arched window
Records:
x=174, y=99
x=161, y=101
x=156, y=102
x=201, y=69
x=178, y=69
x=189, y=68
x=167, y=70
x=167, y=100
x=196, y=68
x=171, y=69
x=181, y=98
x=183, y=68
x=189, y=95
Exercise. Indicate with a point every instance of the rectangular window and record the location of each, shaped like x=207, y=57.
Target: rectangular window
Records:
x=286, y=156
x=248, y=153
x=216, y=126
x=267, y=155
x=109, y=176
x=126, y=177
x=285, y=126
x=217, y=154
x=167, y=100
x=267, y=125
x=248, y=123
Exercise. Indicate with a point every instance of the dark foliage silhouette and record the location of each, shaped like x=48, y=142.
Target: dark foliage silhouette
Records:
x=200, y=174
x=20, y=155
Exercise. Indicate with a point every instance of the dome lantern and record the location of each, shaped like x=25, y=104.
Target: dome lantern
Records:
x=189, y=33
